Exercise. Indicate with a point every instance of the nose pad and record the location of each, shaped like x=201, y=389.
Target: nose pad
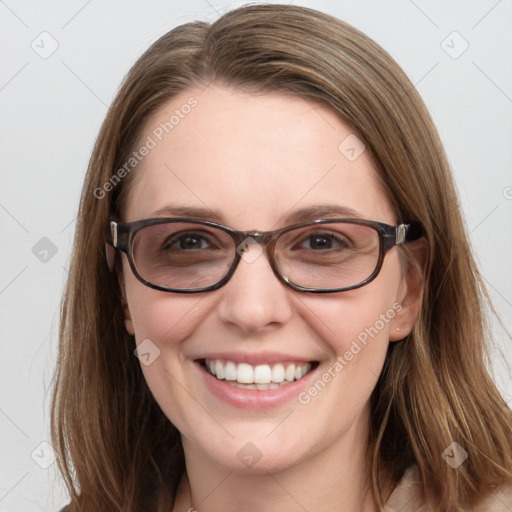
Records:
x=249, y=250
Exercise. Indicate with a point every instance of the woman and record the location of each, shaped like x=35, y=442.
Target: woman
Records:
x=272, y=303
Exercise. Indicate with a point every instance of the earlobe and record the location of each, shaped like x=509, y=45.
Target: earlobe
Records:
x=399, y=334
x=110, y=256
x=128, y=323
x=411, y=292
x=405, y=318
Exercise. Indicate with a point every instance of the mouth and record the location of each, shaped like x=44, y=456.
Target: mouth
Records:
x=261, y=377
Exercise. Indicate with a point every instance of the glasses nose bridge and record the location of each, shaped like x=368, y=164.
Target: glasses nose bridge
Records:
x=260, y=237
x=265, y=239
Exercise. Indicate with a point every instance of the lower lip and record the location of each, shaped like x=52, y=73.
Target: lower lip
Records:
x=252, y=398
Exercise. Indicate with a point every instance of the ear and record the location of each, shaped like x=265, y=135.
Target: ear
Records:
x=128, y=323
x=110, y=254
x=128, y=319
x=411, y=289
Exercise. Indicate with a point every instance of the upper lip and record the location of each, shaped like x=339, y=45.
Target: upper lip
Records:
x=254, y=358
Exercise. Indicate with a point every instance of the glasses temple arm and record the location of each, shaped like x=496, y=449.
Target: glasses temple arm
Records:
x=110, y=244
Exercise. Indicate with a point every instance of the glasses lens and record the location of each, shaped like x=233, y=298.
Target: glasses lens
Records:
x=328, y=256
x=182, y=255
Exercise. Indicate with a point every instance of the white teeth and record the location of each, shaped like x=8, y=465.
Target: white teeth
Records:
x=300, y=371
x=270, y=385
x=289, y=373
x=278, y=373
x=244, y=373
x=229, y=370
x=260, y=387
x=262, y=376
x=219, y=369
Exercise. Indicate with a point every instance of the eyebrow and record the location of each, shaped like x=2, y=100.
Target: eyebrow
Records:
x=320, y=211
x=190, y=212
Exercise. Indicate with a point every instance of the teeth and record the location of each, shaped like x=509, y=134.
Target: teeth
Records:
x=289, y=373
x=229, y=370
x=262, y=376
x=219, y=369
x=244, y=373
x=278, y=373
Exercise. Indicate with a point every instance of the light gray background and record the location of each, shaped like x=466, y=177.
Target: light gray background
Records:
x=51, y=110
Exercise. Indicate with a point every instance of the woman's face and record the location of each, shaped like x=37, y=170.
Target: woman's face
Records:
x=252, y=162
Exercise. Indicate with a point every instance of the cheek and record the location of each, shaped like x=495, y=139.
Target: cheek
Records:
x=357, y=335
x=167, y=320
x=163, y=322
x=355, y=325
x=355, y=328
x=361, y=315
x=159, y=315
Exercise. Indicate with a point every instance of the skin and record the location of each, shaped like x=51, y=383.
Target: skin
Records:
x=255, y=159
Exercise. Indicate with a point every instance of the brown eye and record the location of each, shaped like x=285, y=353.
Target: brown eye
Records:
x=322, y=242
x=187, y=242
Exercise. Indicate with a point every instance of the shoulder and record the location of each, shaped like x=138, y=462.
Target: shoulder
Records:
x=499, y=501
x=408, y=495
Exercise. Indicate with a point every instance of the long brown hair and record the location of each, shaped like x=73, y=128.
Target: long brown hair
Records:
x=117, y=450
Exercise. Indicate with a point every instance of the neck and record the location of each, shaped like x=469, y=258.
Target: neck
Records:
x=333, y=479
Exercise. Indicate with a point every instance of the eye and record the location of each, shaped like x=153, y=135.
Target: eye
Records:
x=323, y=241
x=188, y=241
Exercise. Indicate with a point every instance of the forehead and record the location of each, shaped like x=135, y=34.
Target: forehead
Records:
x=251, y=160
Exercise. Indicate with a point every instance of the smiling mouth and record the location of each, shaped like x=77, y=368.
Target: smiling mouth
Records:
x=260, y=377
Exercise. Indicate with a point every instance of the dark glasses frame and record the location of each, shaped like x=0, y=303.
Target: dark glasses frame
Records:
x=121, y=235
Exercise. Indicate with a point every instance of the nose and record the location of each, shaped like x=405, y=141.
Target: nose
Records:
x=254, y=299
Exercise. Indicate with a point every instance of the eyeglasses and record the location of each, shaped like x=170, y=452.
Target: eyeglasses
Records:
x=322, y=256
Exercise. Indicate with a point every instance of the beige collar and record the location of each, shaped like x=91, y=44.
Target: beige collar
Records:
x=408, y=494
